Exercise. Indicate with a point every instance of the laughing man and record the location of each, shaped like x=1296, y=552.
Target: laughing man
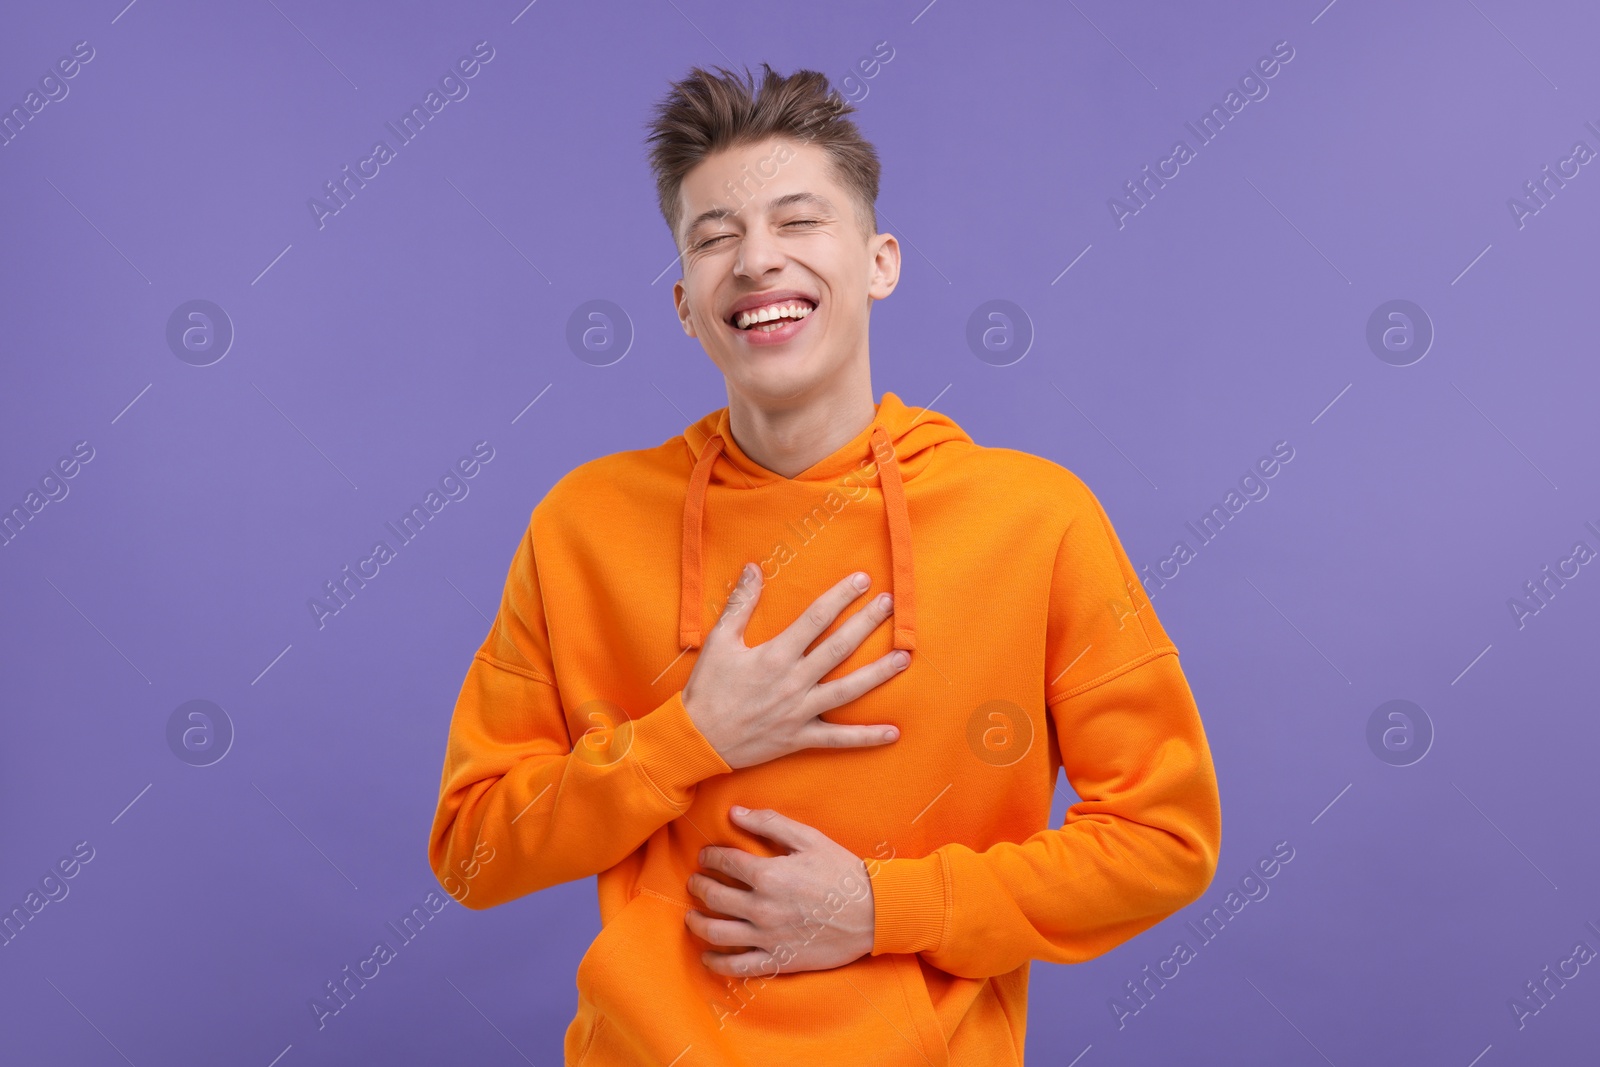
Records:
x=796, y=684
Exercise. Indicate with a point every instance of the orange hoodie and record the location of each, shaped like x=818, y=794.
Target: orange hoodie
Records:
x=571, y=754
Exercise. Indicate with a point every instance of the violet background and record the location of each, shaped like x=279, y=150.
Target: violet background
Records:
x=1229, y=314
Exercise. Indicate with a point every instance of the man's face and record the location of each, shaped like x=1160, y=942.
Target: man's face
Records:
x=781, y=226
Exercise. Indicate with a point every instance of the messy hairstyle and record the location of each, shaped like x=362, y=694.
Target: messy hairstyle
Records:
x=705, y=113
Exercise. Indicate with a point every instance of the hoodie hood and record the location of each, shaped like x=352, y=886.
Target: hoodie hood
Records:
x=894, y=448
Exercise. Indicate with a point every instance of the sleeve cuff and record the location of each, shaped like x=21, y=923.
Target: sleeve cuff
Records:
x=673, y=755
x=910, y=904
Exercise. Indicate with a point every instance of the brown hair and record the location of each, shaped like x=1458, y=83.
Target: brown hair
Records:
x=705, y=113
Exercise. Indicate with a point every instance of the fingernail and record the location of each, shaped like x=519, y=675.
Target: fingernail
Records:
x=860, y=580
x=737, y=810
x=890, y=734
x=884, y=600
x=747, y=572
x=901, y=659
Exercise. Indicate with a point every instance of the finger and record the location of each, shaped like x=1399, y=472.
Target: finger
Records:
x=721, y=897
x=798, y=635
x=741, y=964
x=847, y=638
x=819, y=734
x=729, y=933
x=741, y=603
x=776, y=827
x=829, y=695
x=733, y=862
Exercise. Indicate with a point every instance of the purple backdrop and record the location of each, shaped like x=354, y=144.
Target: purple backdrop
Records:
x=1155, y=330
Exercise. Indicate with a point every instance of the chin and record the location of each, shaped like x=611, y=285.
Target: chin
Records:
x=775, y=383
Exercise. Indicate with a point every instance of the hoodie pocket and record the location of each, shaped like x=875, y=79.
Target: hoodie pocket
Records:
x=639, y=979
x=653, y=999
x=929, y=1032
x=594, y=965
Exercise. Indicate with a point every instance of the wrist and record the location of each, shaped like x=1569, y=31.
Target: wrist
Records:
x=869, y=935
x=910, y=904
x=672, y=752
x=703, y=725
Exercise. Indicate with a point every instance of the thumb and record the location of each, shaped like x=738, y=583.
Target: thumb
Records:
x=795, y=836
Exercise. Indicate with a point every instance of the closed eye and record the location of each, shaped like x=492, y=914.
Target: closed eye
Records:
x=708, y=242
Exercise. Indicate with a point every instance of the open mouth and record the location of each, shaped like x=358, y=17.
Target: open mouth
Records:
x=773, y=317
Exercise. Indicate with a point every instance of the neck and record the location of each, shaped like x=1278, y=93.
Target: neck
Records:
x=792, y=435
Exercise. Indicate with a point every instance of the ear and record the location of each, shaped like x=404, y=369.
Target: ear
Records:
x=885, y=265
x=680, y=301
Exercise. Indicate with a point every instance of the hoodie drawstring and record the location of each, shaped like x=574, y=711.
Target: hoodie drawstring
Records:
x=899, y=520
x=694, y=508
x=894, y=506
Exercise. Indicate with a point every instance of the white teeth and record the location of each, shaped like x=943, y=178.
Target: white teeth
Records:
x=787, y=311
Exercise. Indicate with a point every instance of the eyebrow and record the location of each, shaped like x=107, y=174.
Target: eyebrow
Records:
x=717, y=214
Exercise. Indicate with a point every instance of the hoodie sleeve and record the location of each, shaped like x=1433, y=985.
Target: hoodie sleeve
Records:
x=521, y=806
x=1143, y=840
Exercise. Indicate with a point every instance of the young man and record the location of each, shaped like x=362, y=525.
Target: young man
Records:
x=680, y=640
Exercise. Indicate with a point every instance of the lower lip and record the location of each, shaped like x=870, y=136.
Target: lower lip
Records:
x=786, y=332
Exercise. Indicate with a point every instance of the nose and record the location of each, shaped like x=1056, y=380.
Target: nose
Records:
x=759, y=253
